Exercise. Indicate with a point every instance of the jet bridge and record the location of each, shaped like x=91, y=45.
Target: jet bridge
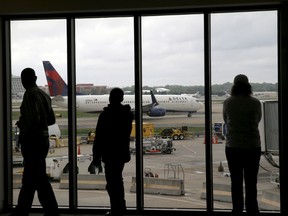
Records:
x=269, y=134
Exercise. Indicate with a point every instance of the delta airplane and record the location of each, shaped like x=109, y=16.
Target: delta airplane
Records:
x=196, y=95
x=153, y=105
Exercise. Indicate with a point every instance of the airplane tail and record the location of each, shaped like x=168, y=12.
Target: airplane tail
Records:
x=56, y=84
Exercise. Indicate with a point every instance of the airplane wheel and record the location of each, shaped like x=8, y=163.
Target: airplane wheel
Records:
x=189, y=115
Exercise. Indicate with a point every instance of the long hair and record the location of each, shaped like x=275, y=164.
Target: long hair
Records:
x=241, y=89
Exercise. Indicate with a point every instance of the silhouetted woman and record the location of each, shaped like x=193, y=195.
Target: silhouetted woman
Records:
x=242, y=114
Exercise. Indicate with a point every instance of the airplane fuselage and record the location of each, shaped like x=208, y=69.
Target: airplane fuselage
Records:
x=96, y=103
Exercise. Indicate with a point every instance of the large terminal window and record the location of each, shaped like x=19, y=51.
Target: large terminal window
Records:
x=173, y=98
x=173, y=68
x=104, y=60
x=246, y=43
x=40, y=44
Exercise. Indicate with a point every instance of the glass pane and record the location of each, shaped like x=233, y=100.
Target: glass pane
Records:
x=246, y=43
x=173, y=68
x=33, y=42
x=105, y=59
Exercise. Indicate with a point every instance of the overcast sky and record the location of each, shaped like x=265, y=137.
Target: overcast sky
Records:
x=173, y=49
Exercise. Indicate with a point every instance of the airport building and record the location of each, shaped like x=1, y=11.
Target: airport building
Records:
x=17, y=87
x=165, y=43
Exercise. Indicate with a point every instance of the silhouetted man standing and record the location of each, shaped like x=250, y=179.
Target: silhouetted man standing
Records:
x=111, y=146
x=36, y=115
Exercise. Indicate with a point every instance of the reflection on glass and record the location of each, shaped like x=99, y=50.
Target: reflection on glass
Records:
x=173, y=53
x=105, y=59
x=246, y=43
x=33, y=42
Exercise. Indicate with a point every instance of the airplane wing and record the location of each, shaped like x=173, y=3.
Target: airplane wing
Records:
x=146, y=108
x=151, y=109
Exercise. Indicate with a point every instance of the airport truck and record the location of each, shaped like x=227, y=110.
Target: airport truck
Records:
x=147, y=129
x=174, y=133
x=220, y=130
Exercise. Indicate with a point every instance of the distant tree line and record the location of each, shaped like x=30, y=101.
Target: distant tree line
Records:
x=217, y=89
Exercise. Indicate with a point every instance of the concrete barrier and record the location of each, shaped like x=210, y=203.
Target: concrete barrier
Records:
x=161, y=186
x=270, y=199
x=221, y=192
x=85, y=181
x=267, y=199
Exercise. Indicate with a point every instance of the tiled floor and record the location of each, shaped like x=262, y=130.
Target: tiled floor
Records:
x=98, y=214
x=129, y=214
x=41, y=214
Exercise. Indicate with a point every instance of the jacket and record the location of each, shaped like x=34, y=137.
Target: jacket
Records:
x=112, y=137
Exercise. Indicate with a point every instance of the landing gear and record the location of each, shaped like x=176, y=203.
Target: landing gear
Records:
x=189, y=115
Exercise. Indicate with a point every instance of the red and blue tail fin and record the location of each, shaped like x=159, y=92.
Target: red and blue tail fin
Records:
x=56, y=84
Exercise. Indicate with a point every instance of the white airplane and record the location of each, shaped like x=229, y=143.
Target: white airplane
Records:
x=196, y=95
x=265, y=94
x=95, y=103
x=226, y=95
x=162, y=90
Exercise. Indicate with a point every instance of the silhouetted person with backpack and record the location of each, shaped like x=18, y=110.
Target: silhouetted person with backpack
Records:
x=112, y=147
x=36, y=114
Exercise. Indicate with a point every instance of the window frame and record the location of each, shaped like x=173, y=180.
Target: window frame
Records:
x=70, y=19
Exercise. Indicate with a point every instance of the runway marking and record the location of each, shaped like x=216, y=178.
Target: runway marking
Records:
x=189, y=149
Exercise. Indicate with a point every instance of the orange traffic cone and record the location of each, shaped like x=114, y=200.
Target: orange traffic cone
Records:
x=214, y=139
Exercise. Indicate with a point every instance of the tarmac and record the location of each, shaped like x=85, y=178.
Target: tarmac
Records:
x=189, y=156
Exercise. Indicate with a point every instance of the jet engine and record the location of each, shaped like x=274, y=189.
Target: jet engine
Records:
x=156, y=112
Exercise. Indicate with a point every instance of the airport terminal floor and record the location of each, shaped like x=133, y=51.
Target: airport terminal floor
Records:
x=194, y=213
x=160, y=214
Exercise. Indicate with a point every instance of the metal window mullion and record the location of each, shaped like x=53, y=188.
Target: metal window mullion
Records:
x=138, y=113
x=283, y=103
x=208, y=118
x=7, y=117
x=72, y=148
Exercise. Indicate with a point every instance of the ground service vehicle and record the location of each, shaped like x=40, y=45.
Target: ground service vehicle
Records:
x=148, y=132
x=147, y=128
x=220, y=130
x=174, y=133
x=156, y=145
x=90, y=137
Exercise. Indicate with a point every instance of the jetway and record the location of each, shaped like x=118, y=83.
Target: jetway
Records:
x=269, y=134
x=269, y=127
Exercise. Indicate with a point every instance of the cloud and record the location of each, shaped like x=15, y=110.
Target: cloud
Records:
x=244, y=43
x=172, y=48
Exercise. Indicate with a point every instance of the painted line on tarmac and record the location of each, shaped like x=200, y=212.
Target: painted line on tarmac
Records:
x=189, y=149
